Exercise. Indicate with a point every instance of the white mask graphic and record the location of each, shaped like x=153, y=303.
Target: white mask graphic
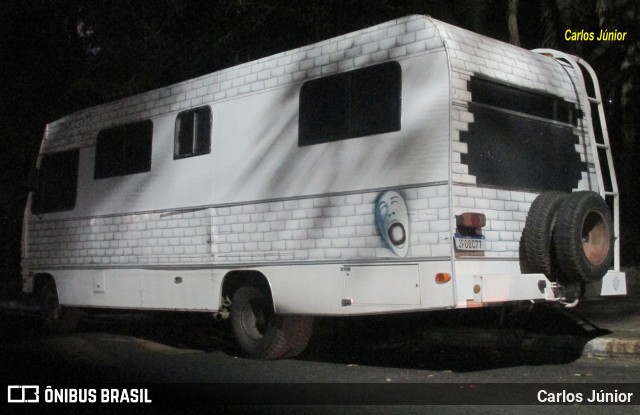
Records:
x=393, y=221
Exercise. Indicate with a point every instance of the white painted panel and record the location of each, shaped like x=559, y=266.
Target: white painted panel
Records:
x=464, y=271
x=505, y=288
x=489, y=266
x=176, y=290
x=320, y=289
x=257, y=154
x=75, y=287
x=312, y=289
x=382, y=284
x=170, y=184
x=435, y=295
x=120, y=288
x=196, y=290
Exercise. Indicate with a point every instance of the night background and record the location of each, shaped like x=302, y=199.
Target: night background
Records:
x=57, y=57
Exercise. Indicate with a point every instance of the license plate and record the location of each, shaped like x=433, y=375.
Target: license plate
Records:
x=469, y=244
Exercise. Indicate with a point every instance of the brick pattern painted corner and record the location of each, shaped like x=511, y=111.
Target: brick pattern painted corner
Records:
x=476, y=54
x=473, y=54
x=506, y=212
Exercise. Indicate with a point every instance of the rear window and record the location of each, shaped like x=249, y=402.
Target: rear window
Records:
x=521, y=139
x=508, y=150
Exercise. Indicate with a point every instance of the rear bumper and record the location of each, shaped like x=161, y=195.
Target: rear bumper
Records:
x=508, y=288
x=613, y=283
x=487, y=289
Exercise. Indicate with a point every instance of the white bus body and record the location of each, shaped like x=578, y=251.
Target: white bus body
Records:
x=333, y=178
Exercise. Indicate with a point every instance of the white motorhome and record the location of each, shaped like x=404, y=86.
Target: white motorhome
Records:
x=408, y=166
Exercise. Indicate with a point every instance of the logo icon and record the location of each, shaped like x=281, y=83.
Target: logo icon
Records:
x=393, y=221
x=23, y=394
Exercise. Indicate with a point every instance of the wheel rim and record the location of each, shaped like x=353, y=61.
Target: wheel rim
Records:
x=595, y=238
x=254, y=320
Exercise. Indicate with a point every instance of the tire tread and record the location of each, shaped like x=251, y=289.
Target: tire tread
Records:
x=537, y=236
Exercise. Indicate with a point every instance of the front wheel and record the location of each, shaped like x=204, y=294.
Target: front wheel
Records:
x=54, y=317
x=263, y=334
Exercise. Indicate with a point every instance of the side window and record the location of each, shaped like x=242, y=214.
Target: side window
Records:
x=124, y=150
x=57, y=183
x=193, y=133
x=351, y=104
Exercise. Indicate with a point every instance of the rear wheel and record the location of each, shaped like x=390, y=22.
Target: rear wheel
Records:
x=54, y=317
x=263, y=334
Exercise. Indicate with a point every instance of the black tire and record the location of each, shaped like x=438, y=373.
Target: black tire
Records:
x=536, y=246
x=525, y=266
x=584, y=237
x=298, y=330
x=263, y=334
x=53, y=317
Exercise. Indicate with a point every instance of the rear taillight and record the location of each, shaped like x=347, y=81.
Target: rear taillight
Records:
x=471, y=220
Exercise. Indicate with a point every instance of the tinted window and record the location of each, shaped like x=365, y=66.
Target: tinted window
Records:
x=124, y=150
x=513, y=151
x=193, y=133
x=57, y=183
x=352, y=104
x=521, y=100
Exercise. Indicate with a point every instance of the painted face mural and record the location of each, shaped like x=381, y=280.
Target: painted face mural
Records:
x=393, y=221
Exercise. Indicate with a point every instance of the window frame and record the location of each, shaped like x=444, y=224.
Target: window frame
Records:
x=199, y=145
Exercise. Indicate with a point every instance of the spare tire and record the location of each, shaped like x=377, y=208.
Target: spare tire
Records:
x=536, y=244
x=584, y=237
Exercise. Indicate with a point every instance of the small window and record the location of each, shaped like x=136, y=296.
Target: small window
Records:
x=351, y=104
x=57, y=183
x=124, y=150
x=193, y=133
